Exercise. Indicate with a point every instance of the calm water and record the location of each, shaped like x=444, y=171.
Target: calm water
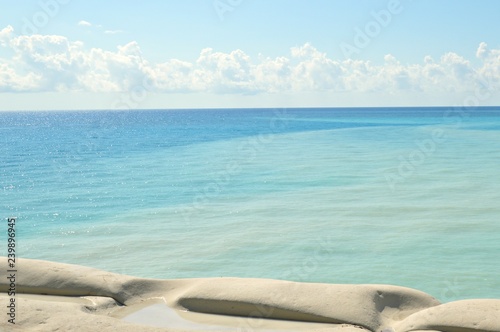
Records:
x=395, y=196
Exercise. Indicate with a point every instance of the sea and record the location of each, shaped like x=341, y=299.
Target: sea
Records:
x=401, y=196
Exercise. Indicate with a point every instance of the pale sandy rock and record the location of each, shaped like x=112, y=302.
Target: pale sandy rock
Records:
x=63, y=297
x=36, y=315
x=369, y=306
x=459, y=316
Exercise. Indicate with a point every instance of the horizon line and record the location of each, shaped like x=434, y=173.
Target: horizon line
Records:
x=248, y=108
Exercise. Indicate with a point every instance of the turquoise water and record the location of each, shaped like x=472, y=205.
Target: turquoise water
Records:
x=394, y=196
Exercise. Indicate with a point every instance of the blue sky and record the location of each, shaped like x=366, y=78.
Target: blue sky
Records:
x=67, y=54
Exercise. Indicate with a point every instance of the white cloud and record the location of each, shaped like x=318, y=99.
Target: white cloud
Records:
x=6, y=35
x=99, y=27
x=482, y=50
x=84, y=23
x=490, y=71
x=315, y=71
x=223, y=72
x=113, y=32
x=272, y=75
x=54, y=63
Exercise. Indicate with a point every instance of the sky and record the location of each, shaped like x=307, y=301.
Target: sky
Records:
x=75, y=54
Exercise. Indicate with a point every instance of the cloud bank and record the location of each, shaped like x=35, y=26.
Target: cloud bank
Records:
x=51, y=63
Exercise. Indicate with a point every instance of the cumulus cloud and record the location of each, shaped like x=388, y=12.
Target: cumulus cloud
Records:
x=490, y=71
x=55, y=63
x=6, y=35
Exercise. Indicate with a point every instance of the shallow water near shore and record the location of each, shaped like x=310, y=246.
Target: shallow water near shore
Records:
x=393, y=196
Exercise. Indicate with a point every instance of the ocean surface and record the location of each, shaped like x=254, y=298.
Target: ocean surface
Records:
x=404, y=196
